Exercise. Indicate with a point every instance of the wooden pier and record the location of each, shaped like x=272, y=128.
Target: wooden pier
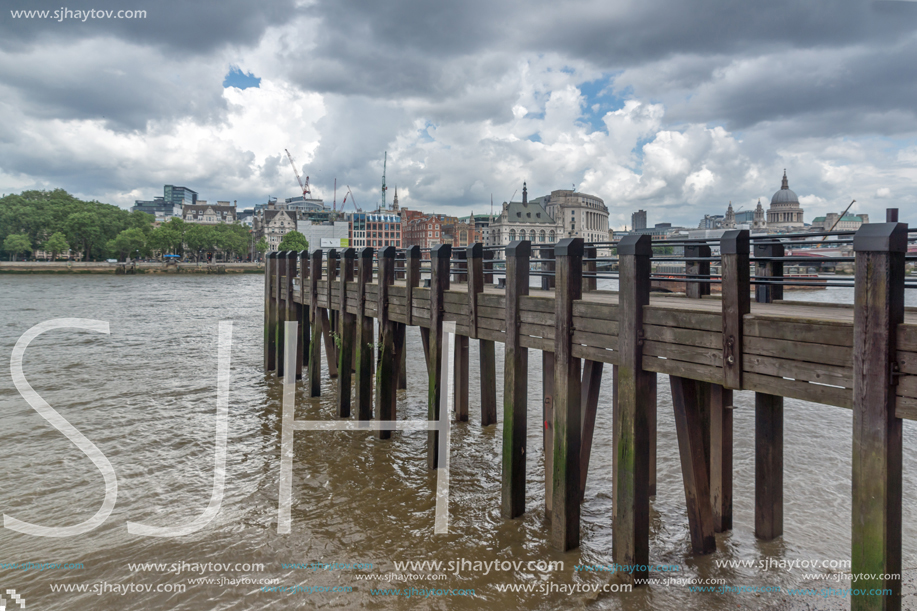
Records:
x=861, y=356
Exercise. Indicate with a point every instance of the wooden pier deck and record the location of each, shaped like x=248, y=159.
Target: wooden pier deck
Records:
x=861, y=356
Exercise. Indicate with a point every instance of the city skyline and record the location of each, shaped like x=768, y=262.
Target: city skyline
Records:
x=659, y=108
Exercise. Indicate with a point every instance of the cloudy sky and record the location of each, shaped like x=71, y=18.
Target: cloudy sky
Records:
x=670, y=106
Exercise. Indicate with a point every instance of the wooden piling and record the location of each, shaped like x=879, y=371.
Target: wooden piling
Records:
x=548, y=282
x=768, y=420
x=281, y=310
x=387, y=371
x=486, y=348
x=880, y=251
x=591, y=386
x=440, y=258
x=460, y=351
x=329, y=315
x=346, y=332
x=690, y=426
x=633, y=390
x=315, y=321
x=364, y=341
x=515, y=382
x=302, y=314
x=291, y=314
x=270, y=323
x=568, y=421
x=734, y=252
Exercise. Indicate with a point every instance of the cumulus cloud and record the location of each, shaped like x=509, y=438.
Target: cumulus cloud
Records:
x=670, y=107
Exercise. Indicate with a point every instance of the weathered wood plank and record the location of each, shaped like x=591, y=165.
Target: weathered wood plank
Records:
x=596, y=354
x=363, y=393
x=799, y=370
x=712, y=357
x=596, y=340
x=703, y=373
x=386, y=369
x=734, y=256
x=799, y=351
x=685, y=319
x=793, y=329
x=686, y=337
x=793, y=389
x=347, y=333
x=593, y=325
x=591, y=309
x=315, y=321
x=439, y=283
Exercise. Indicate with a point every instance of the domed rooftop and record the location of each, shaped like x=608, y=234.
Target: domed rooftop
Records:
x=785, y=195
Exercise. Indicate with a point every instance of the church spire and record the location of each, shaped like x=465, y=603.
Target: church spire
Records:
x=525, y=194
x=786, y=184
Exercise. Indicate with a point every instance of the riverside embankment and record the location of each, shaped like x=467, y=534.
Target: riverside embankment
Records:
x=103, y=267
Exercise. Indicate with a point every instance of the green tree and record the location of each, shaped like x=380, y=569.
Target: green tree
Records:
x=200, y=239
x=165, y=239
x=56, y=244
x=294, y=241
x=128, y=242
x=261, y=246
x=84, y=228
x=17, y=243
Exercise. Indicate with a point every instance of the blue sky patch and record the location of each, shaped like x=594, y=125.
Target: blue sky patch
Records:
x=600, y=99
x=236, y=78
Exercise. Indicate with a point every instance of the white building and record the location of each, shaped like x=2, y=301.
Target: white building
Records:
x=325, y=235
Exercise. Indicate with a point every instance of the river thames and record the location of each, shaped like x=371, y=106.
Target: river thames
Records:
x=146, y=396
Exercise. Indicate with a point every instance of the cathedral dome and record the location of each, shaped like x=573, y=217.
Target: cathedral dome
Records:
x=785, y=195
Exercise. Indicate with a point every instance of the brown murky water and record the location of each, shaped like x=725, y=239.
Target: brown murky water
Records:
x=146, y=396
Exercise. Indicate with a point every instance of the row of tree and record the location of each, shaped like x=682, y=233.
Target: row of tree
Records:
x=60, y=224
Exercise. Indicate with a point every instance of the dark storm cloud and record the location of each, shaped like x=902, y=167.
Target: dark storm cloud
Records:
x=175, y=26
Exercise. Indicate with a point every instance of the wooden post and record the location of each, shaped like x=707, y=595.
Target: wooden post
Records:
x=736, y=302
x=291, y=314
x=460, y=360
x=768, y=420
x=486, y=348
x=440, y=258
x=697, y=269
x=547, y=391
x=346, y=332
x=590, y=268
x=401, y=328
x=689, y=426
x=515, y=382
x=281, y=309
x=303, y=314
x=880, y=251
x=633, y=391
x=315, y=321
x=591, y=385
x=767, y=293
x=329, y=316
x=270, y=304
x=386, y=374
x=364, y=341
x=568, y=421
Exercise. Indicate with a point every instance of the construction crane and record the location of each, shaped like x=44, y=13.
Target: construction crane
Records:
x=843, y=214
x=384, y=188
x=352, y=200
x=306, y=192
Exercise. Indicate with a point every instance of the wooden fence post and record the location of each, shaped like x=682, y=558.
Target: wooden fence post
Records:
x=565, y=511
x=330, y=315
x=515, y=382
x=697, y=269
x=364, y=341
x=590, y=268
x=387, y=372
x=592, y=385
x=281, y=309
x=345, y=335
x=315, y=321
x=715, y=406
x=734, y=251
x=291, y=313
x=460, y=360
x=270, y=313
x=768, y=420
x=486, y=348
x=440, y=259
x=633, y=392
x=303, y=314
x=547, y=390
x=880, y=251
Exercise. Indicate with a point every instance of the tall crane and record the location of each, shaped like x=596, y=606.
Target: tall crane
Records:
x=843, y=214
x=384, y=188
x=306, y=192
x=352, y=200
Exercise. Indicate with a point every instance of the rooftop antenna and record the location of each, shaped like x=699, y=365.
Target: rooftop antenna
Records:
x=491, y=205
